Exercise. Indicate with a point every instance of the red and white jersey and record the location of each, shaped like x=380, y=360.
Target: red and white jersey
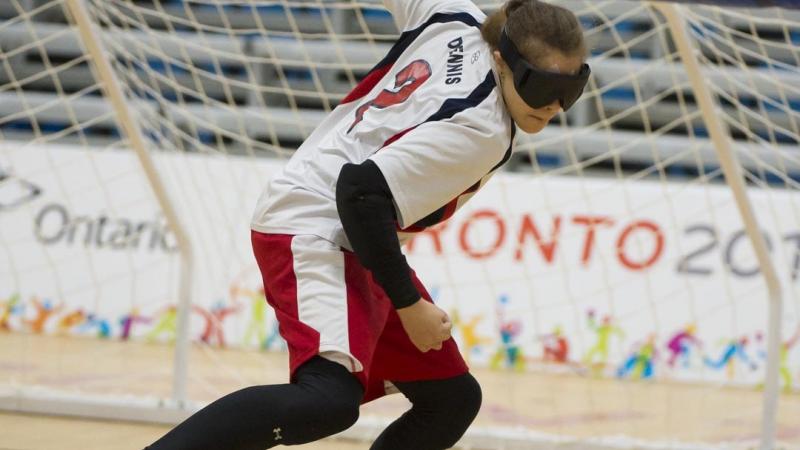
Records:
x=430, y=115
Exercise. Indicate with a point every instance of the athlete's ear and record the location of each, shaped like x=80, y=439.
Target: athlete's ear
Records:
x=502, y=67
x=498, y=59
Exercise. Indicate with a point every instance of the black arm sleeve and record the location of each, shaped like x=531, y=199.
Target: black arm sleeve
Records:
x=365, y=207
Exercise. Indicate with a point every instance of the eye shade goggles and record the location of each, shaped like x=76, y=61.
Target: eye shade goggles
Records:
x=539, y=88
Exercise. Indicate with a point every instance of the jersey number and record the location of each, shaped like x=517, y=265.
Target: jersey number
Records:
x=405, y=83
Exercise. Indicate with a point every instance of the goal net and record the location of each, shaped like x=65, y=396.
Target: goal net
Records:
x=603, y=287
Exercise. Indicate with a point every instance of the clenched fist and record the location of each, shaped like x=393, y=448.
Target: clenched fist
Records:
x=426, y=325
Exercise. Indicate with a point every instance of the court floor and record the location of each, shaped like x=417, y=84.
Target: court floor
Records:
x=35, y=432
x=556, y=404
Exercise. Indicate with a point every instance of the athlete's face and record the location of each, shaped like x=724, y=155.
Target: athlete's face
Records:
x=532, y=120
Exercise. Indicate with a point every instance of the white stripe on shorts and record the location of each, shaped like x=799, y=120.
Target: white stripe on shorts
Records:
x=322, y=296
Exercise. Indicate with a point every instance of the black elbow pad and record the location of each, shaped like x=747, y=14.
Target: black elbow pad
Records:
x=358, y=181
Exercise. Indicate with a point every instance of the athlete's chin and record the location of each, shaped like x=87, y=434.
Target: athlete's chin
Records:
x=532, y=126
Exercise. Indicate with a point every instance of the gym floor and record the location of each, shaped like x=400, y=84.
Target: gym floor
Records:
x=35, y=432
x=559, y=404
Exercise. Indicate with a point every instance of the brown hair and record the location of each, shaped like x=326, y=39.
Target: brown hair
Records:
x=536, y=28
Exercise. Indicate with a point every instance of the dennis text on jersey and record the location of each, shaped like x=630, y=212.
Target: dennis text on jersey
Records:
x=455, y=60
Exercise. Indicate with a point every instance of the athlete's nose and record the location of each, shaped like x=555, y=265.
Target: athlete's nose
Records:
x=554, y=107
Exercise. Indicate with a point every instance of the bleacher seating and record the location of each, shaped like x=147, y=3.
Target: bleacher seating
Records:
x=319, y=77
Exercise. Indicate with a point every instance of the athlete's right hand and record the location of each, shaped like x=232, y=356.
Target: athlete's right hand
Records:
x=426, y=325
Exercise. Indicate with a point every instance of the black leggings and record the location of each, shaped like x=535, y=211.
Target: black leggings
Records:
x=324, y=400
x=441, y=411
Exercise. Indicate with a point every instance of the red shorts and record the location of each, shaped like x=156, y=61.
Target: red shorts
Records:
x=328, y=304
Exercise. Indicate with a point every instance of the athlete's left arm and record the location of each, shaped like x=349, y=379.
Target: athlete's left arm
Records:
x=364, y=204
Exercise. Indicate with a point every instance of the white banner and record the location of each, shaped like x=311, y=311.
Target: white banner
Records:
x=634, y=279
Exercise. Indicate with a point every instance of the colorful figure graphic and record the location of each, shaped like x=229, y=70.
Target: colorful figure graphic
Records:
x=265, y=332
x=679, y=345
x=44, y=310
x=760, y=346
x=167, y=325
x=214, y=322
x=785, y=371
x=509, y=354
x=102, y=326
x=555, y=347
x=597, y=356
x=9, y=308
x=258, y=315
x=70, y=321
x=128, y=321
x=274, y=340
x=640, y=363
x=471, y=341
x=733, y=349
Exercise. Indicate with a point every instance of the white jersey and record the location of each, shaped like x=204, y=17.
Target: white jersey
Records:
x=430, y=115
